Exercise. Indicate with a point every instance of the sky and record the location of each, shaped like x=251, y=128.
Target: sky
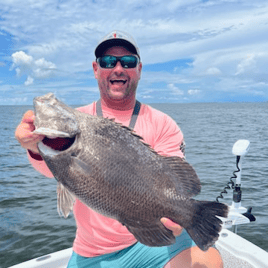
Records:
x=192, y=51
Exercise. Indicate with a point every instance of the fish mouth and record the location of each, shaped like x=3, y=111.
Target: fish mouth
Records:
x=54, y=141
x=54, y=146
x=59, y=143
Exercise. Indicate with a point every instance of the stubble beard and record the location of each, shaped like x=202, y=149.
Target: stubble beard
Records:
x=130, y=90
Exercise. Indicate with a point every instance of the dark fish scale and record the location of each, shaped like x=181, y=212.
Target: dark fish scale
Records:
x=111, y=170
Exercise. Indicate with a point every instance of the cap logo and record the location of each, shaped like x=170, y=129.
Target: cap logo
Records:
x=114, y=35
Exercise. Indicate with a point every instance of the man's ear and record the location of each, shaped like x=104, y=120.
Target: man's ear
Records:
x=95, y=69
x=139, y=69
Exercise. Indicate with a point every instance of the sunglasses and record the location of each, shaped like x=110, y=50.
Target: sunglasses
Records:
x=109, y=62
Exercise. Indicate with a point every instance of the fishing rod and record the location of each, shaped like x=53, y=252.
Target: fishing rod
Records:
x=237, y=214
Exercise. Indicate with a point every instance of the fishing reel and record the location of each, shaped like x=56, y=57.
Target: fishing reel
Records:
x=237, y=214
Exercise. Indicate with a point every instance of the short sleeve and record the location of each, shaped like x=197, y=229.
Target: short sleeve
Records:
x=169, y=139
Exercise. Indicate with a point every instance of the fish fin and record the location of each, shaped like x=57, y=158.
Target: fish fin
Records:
x=81, y=165
x=206, y=225
x=185, y=180
x=65, y=201
x=126, y=128
x=154, y=236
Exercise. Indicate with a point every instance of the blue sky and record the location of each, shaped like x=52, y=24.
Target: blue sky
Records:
x=192, y=51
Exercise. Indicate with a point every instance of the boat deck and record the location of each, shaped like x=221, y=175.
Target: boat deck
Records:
x=231, y=261
x=239, y=252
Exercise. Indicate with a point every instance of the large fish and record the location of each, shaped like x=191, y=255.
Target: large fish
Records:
x=111, y=170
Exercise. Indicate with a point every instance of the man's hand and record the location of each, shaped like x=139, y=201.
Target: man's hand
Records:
x=24, y=135
x=174, y=227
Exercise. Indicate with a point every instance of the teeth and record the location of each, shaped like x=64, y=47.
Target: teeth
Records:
x=118, y=81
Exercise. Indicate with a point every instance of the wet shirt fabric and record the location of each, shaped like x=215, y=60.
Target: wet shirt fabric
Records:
x=96, y=234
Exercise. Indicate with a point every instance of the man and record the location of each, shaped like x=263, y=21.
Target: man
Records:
x=101, y=241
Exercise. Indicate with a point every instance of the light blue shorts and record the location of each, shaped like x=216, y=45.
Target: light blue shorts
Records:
x=135, y=256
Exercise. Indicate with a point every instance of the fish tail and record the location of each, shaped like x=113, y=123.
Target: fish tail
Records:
x=206, y=226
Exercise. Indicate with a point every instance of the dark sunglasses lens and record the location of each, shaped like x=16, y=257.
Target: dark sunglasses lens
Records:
x=107, y=62
x=129, y=61
x=110, y=61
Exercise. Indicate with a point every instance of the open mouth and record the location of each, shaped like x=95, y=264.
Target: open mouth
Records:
x=54, y=141
x=54, y=146
x=59, y=144
x=118, y=82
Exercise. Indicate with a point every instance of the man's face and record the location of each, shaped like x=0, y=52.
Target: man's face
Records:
x=117, y=83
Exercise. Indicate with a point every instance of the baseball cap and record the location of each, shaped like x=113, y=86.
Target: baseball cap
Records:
x=117, y=38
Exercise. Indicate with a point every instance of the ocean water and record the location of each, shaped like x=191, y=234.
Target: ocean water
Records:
x=30, y=225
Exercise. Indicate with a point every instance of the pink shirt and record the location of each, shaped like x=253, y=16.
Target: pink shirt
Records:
x=97, y=234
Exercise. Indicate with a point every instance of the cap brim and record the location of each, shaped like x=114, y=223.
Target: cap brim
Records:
x=101, y=48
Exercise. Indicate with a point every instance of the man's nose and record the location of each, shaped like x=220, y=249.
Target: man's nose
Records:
x=118, y=68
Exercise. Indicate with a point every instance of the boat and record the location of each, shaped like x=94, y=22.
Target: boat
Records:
x=236, y=251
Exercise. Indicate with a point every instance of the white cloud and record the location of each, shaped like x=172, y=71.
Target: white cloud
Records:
x=43, y=68
x=163, y=76
x=26, y=64
x=29, y=81
x=147, y=97
x=194, y=91
x=213, y=71
x=175, y=90
x=18, y=71
x=12, y=100
x=246, y=64
x=20, y=58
